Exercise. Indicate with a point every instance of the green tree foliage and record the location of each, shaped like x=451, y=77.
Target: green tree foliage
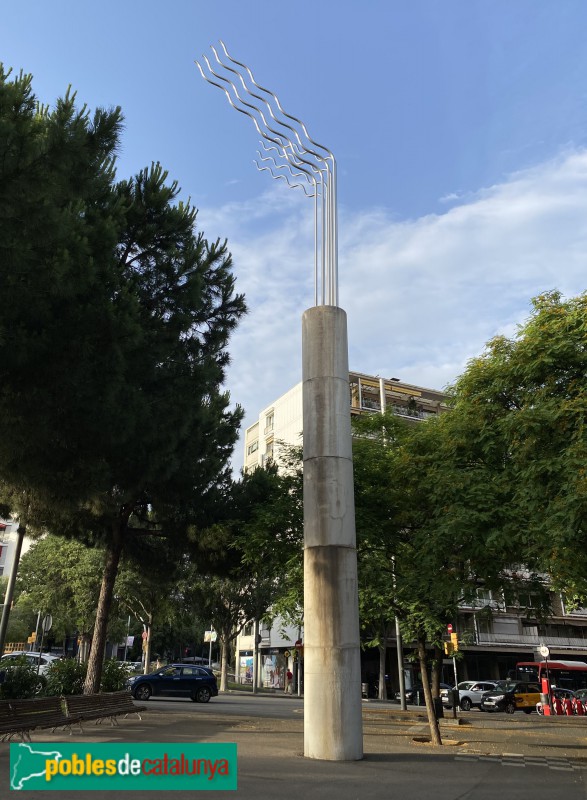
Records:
x=237, y=569
x=61, y=577
x=113, y=420
x=525, y=399
x=435, y=519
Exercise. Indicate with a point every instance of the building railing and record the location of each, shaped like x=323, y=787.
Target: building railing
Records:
x=534, y=640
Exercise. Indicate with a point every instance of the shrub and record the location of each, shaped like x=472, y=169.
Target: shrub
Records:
x=21, y=681
x=114, y=675
x=65, y=676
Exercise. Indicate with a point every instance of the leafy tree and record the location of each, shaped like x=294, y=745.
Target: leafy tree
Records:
x=237, y=567
x=62, y=577
x=147, y=593
x=526, y=400
x=434, y=520
x=113, y=421
x=273, y=537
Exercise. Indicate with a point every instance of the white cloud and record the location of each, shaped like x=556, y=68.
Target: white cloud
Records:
x=422, y=295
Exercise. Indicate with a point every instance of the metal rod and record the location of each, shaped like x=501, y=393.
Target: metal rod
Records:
x=292, y=143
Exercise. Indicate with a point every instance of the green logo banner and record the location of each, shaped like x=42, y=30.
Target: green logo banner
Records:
x=62, y=766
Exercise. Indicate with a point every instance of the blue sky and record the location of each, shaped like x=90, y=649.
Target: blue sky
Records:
x=460, y=130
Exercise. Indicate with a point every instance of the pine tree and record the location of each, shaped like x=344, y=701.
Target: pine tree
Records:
x=114, y=423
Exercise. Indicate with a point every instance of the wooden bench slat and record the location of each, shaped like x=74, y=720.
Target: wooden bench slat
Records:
x=107, y=705
x=23, y=716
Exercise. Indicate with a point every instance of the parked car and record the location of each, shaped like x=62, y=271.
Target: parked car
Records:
x=134, y=666
x=44, y=660
x=415, y=695
x=470, y=694
x=581, y=694
x=511, y=695
x=560, y=693
x=176, y=680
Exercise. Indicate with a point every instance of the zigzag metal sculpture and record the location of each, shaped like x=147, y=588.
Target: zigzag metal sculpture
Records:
x=297, y=153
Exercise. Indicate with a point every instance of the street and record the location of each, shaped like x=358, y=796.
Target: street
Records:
x=489, y=756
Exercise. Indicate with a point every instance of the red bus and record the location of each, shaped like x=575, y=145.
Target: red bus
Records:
x=562, y=674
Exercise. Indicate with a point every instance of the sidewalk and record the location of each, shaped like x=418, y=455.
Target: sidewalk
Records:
x=271, y=762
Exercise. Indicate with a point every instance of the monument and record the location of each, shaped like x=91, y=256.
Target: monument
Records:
x=332, y=669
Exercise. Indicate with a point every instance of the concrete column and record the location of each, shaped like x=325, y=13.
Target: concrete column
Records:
x=332, y=667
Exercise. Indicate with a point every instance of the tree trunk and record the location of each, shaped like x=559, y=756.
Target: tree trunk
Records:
x=432, y=721
x=223, y=665
x=96, y=659
x=84, y=648
x=382, y=682
x=436, y=668
x=148, y=627
x=255, y=656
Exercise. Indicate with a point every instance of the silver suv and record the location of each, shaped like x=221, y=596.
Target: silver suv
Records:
x=470, y=693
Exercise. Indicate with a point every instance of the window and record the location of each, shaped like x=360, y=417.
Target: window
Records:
x=485, y=625
x=253, y=447
x=191, y=671
x=484, y=597
x=248, y=629
x=269, y=422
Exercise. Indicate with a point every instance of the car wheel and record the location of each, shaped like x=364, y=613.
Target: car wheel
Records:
x=143, y=692
x=481, y=708
x=465, y=704
x=527, y=710
x=203, y=694
x=510, y=707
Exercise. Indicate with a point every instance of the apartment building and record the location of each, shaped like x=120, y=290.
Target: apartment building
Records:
x=281, y=422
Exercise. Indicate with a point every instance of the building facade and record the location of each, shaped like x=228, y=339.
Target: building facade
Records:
x=281, y=422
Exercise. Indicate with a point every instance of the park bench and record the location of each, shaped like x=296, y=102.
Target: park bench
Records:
x=20, y=717
x=105, y=705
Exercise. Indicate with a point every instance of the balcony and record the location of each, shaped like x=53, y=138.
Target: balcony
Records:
x=530, y=640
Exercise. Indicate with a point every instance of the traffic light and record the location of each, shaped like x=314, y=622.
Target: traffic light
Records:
x=448, y=648
x=454, y=638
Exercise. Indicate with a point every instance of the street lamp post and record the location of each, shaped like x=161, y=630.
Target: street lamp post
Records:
x=332, y=668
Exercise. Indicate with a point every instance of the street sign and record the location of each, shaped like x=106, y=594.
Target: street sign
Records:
x=47, y=623
x=544, y=651
x=210, y=636
x=449, y=628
